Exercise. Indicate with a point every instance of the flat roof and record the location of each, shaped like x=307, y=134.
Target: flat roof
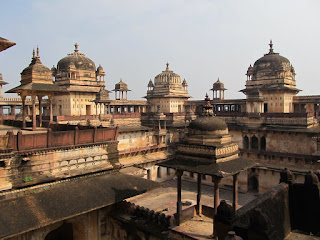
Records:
x=67, y=199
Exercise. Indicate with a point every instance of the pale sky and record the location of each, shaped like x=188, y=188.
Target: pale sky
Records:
x=133, y=39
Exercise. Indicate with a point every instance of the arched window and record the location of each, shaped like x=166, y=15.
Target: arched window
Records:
x=263, y=143
x=246, y=142
x=254, y=142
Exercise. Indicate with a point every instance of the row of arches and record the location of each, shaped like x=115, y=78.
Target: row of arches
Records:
x=254, y=143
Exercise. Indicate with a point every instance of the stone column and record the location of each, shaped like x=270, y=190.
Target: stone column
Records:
x=50, y=106
x=13, y=110
x=40, y=110
x=1, y=112
x=235, y=192
x=28, y=110
x=23, y=98
x=34, y=124
x=198, y=207
x=96, y=108
x=216, y=181
x=179, y=202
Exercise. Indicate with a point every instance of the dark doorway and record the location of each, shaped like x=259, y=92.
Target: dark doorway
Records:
x=63, y=232
x=265, y=107
x=254, y=142
x=253, y=184
x=246, y=142
x=263, y=143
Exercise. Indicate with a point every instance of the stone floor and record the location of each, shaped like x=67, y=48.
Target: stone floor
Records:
x=197, y=227
x=164, y=200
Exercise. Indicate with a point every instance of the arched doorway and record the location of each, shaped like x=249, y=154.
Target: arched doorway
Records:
x=64, y=232
x=263, y=143
x=254, y=142
x=246, y=142
x=253, y=183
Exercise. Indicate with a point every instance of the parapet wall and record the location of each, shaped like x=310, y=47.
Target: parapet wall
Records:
x=51, y=139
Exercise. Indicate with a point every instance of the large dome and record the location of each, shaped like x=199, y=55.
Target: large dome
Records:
x=78, y=59
x=167, y=76
x=270, y=65
x=208, y=123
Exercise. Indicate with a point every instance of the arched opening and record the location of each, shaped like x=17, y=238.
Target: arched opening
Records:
x=159, y=172
x=253, y=184
x=246, y=142
x=64, y=232
x=149, y=174
x=263, y=143
x=254, y=142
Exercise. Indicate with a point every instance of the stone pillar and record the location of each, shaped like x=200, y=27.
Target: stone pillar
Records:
x=96, y=108
x=235, y=192
x=179, y=202
x=50, y=106
x=40, y=110
x=198, y=207
x=13, y=110
x=28, y=109
x=216, y=181
x=1, y=113
x=23, y=98
x=34, y=124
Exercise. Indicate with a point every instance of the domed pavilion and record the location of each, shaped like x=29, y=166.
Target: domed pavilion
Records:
x=270, y=84
x=208, y=149
x=168, y=92
x=36, y=81
x=83, y=81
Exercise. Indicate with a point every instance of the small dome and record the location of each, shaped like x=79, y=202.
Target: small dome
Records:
x=150, y=84
x=184, y=83
x=36, y=65
x=218, y=85
x=121, y=86
x=208, y=124
x=250, y=70
x=78, y=59
x=54, y=70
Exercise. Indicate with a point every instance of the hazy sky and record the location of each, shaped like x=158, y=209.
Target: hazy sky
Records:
x=133, y=39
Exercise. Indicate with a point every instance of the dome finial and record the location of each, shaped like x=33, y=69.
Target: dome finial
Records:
x=167, y=69
x=271, y=47
x=38, y=52
x=76, y=45
x=33, y=54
